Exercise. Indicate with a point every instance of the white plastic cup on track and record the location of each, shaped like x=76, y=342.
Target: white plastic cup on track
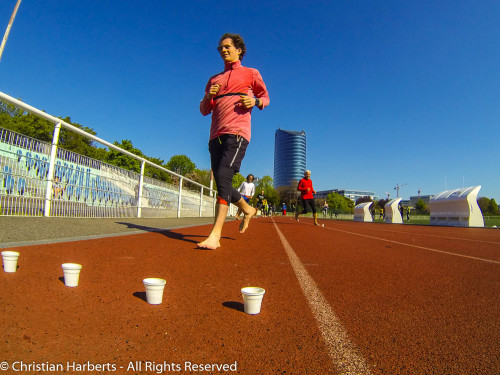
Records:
x=252, y=299
x=10, y=260
x=154, y=290
x=71, y=273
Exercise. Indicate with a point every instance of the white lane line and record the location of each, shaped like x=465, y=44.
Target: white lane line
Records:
x=346, y=357
x=416, y=246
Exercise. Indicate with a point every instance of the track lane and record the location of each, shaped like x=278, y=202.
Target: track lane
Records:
x=472, y=249
x=345, y=355
x=410, y=311
x=201, y=319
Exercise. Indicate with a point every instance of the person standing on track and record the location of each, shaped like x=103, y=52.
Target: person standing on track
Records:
x=247, y=190
x=260, y=202
x=230, y=97
x=306, y=193
x=325, y=209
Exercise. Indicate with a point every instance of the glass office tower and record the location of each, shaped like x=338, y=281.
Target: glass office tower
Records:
x=289, y=156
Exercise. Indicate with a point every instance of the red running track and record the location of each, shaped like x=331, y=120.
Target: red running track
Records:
x=345, y=298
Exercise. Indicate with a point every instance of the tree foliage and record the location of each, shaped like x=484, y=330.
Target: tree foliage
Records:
x=363, y=200
x=181, y=164
x=339, y=204
x=421, y=207
x=488, y=206
x=238, y=179
x=266, y=184
x=289, y=194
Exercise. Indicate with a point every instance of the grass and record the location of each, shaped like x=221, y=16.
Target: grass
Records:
x=489, y=221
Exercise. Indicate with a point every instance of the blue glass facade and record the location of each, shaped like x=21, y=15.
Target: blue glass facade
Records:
x=289, y=156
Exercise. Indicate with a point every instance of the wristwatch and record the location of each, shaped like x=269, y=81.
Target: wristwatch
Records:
x=257, y=102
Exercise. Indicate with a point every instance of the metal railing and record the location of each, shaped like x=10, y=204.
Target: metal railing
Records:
x=40, y=179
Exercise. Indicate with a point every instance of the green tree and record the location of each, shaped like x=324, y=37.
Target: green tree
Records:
x=238, y=179
x=339, y=204
x=202, y=176
x=181, y=164
x=33, y=126
x=157, y=173
x=488, y=206
x=493, y=207
x=124, y=161
x=10, y=109
x=363, y=200
x=421, y=207
x=289, y=194
x=483, y=204
x=266, y=184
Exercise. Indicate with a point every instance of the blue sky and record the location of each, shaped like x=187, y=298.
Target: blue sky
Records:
x=388, y=92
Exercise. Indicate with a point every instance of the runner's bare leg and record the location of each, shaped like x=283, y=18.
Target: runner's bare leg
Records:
x=213, y=240
x=248, y=213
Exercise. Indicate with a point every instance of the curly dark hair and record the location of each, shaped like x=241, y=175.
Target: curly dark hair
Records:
x=237, y=41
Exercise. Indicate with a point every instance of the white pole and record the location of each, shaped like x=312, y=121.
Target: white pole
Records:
x=201, y=200
x=6, y=35
x=180, y=198
x=211, y=183
x=139, y=193
x=52, y=163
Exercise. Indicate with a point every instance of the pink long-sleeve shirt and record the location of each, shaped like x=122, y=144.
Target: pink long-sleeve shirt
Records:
x=229, y=116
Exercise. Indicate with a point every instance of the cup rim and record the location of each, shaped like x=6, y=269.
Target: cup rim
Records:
x=253, y=291
x=71, y=266
x=154, y=281
x=10, y=253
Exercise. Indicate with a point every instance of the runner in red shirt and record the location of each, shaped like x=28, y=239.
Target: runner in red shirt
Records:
x=306, y=192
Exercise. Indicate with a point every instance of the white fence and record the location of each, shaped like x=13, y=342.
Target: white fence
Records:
x=39, y=179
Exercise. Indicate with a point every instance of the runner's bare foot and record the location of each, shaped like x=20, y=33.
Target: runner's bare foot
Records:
x=246, y=220
x=211, y=243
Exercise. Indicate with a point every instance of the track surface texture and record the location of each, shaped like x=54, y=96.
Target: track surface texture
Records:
x=348, y=297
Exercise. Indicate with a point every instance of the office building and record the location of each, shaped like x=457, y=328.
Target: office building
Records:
x=425, y=198
x=353, y=195
x=289, y=157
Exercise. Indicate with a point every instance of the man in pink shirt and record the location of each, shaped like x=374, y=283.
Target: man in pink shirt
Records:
x=230, y=97
x=306, y=193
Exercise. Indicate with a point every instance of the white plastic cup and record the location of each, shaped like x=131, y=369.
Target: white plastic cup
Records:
x=10, y=260
x=252, y=299
x=71, y=273
x=154, y=290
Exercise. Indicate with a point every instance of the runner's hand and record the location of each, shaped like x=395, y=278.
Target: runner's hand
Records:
x=247, y=101
x=214, y=89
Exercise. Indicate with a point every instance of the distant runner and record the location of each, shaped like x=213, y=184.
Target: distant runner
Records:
x=306, y=192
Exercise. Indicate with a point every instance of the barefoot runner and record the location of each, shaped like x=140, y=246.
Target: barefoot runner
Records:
x=230, y=97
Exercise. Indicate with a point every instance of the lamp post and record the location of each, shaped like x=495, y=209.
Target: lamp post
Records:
x=9, y=26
